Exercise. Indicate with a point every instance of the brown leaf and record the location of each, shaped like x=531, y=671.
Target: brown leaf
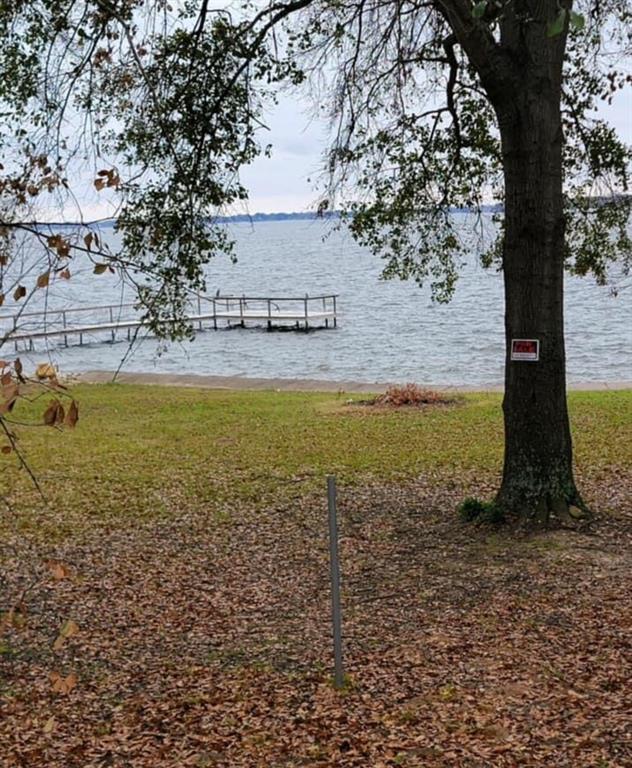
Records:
x=99, y=269
x=58, y=569
x=6, y=449
x=63, y=684
x=45, y=371
x=72, y=415
x=99, y=184
x=88, y=240
x=43, y=280
x=68, y=629
x=19, y=293
x=49, y=726
x=51, y=414
x=65, y=274
x=10, y=389
x=1, y=299
x=59, y=642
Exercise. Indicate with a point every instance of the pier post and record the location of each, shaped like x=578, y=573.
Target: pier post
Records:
x=214, y=316
x=306, y=314
x=242, y=301
x=199, y=308
x=113, y=332
x=269, y=315
x=335, y=314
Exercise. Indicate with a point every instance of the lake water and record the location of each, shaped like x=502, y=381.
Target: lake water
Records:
x=388, y=331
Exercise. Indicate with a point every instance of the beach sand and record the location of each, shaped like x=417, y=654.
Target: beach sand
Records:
x=292, y=385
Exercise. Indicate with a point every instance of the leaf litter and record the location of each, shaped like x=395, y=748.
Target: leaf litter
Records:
x=185, y=642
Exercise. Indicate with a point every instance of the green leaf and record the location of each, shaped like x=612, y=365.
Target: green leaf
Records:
x=478, y=10
x=556, y=27
x=577, y=21
x=99, y=269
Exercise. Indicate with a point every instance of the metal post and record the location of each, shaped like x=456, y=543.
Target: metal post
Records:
x=199, y=307
x=214, y=315
x=241, y=311
x=269, y=315
x=111, y=321
x=336, y=613
x=306, y=317
x=335, y=315
x=63, y=319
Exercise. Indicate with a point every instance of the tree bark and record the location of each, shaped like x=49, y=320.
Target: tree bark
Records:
x=538, y=465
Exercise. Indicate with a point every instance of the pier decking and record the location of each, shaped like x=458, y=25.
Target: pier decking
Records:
x=107, y=322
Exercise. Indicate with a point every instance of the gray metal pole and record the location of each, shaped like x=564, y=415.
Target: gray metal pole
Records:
x=336, y=613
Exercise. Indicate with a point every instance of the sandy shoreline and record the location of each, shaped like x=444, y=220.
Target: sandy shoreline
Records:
x=293, y=385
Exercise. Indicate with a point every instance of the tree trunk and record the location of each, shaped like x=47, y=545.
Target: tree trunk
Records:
x=538, y=465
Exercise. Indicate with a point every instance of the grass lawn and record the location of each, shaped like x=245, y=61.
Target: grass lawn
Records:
x=191, y=526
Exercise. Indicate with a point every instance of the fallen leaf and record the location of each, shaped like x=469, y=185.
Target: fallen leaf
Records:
x=63, y=684
x=49, y=726
x=58, y=569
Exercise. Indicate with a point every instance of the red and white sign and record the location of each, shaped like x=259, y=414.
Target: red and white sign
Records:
x=525, y=349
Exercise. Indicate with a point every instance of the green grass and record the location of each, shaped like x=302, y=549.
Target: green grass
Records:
x=143, y=452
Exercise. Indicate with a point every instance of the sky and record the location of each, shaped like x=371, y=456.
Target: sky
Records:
x=281, y=182
x=287, y=182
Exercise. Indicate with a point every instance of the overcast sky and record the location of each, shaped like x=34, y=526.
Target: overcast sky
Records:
x=287, y=180
x=281, y=182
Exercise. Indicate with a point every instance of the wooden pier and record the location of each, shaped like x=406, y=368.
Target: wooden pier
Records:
x=108, y=322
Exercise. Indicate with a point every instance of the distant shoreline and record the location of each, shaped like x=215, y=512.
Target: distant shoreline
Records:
x=245, y=218
x=296, y=385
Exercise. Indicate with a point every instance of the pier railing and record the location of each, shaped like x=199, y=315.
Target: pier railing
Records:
x=72, y=324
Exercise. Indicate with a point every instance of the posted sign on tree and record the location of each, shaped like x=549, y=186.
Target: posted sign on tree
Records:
x=525, y=349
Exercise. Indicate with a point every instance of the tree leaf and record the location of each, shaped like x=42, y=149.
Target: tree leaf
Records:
x=43, y=280
x=51, y=414
x=45, y=371
x=99, y=269
x=577, y=21
x=72, y=416
x=556, y=27
x=478, y=11
x=19, y=293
